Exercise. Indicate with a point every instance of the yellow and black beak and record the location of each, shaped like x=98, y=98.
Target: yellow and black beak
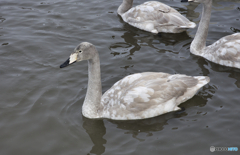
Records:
x=186, y=0
x=65, y=64
x=72, y=59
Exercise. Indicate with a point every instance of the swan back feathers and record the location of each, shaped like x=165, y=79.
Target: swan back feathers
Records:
x=157, y=17
x=225, y=51
x=148, y=94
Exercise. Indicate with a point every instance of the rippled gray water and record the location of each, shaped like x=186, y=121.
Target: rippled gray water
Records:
x=40, y=105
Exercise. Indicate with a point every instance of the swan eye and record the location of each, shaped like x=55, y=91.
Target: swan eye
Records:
x=80, y=51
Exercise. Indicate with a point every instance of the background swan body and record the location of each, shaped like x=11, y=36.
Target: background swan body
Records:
x=137, y=96
x=154, y=17
x=225, y=51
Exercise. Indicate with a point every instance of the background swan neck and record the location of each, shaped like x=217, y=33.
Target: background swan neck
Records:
x=125, y=6
x=199, y=42
x=94, y=90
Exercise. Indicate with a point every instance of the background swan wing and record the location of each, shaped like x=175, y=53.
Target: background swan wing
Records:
x=146, y=95
x=226, y=51
x=156, y=17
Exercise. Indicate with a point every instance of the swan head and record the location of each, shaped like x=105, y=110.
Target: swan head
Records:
x=84, y=51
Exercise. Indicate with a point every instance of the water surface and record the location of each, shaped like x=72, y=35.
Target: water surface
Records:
x=40, y=108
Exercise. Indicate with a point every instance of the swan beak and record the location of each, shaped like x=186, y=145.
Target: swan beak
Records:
x=70, y=60
x=186, y=0
x=65, y=64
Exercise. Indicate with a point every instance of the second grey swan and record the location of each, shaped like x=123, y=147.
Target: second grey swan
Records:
x=154, y=17
x=225, y=51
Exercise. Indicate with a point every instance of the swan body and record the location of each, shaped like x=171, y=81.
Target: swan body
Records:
x=137, y=96
x=225, y=51
x=154, y=17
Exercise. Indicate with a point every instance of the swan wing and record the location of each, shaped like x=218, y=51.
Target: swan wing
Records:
x=225, y=51
x=146, y=95
x=156, y=17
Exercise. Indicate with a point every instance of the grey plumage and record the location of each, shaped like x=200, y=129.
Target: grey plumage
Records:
x=137, y=96
x=225, y=51
x=154, y=17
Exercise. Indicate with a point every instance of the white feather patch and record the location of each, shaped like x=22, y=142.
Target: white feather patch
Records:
x=139, y=92
x=73, y=58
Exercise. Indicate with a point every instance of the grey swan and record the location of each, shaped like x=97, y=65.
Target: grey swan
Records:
x=225, y=51
x=154, y=17
x=137, y=96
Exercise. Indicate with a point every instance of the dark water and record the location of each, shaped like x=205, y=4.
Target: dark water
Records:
x=40, y=106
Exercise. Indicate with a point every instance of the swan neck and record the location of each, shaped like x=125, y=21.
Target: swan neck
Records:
x=199, y=42
x=94, y=91
x=125, y=6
